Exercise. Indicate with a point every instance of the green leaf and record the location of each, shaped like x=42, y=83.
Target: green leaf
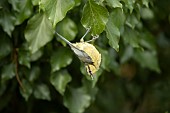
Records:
x=94, y=16
x=7, y=18
x=60, y=58
x=129, y=4
x=68, y=29
x=76, y=100
x=146, y=2
x=27, y=91
x=5, y=45
x=36, y=2
x=39, y=32
x=56, y=9
x=147, y=59
x=114, y=3
x=23, y=9
x=34, y=73
x=132, y=21
x=42, y=92
x=24, y=58
x=8, y=72
x=60, y=80
x=131, y=37
x=113, y=26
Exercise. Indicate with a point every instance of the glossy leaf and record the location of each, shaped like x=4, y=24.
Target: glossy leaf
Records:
x=42, y=92
x=76, y=100
x=7, y=19
x=114, y=3
x=113, y=26
x=94, y=16
x=60, y=58
x=23, y=10
x=68, y=29
x=38, y=32
x=56, y=9
x=60, y=80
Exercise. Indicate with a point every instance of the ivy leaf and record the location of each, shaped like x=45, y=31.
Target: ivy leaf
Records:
x=76, y=100
x=94, y=16
x=132, y=20
x=60, y=80
x=56, y=9
x=7, y=18
x=147, y=59
x=114, y=3
x=42, y=92
x=34, y=73
x=5, y=45
x=60, y=58
x=8, y=72
x=145, y=2
x=27, y=91
x=24, y=58
x=23, y=9
x=39, y=32
x=131, y=37
x=68, y=29
x=129, y=4
x=113, y=26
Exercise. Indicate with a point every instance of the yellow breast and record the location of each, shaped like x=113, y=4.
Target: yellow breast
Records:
x=92, y=52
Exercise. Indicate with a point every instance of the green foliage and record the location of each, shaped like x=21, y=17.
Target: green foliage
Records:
x=39, y=73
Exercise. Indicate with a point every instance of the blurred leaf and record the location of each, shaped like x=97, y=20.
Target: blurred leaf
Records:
x=56, y=9
x=76, y=100
x=34, y=73
x=147, y=13
x=23, y=9
x=60, y=80
x=24, y=58
x=94, y=16
x=129, y=4
x=132, y=20
x=115, y=22
x=7, y=18
x=60, y=58
x=42, y=91
x=147, y=41
x=36, y=2
x=27, y=91
x=2, y=89
x=5, y=45
x=131, y=37
x=147, y=59
x=36, y=55
x=146, y=2
x=68, y=29
x=8, y=72
x=128, y=53
x=38, y=32
x=114, y=3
